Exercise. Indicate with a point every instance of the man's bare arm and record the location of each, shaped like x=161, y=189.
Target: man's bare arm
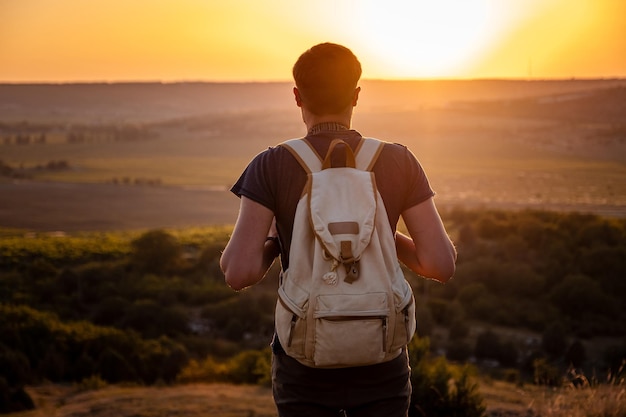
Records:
x=428, y=251
x=248, y=255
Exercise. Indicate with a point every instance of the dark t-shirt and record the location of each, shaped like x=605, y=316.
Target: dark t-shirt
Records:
x=275, y=179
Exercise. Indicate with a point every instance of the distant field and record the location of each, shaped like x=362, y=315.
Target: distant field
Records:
x=69, y=207
x=506, y=144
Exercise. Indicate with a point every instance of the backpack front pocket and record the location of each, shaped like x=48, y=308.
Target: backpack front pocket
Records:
x=350, y=330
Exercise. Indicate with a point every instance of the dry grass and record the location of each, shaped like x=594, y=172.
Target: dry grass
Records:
x=223, y=400
x=601, y=401
x=216, y=400
x=505, y=399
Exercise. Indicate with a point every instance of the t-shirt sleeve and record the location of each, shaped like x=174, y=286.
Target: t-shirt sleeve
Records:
x=255, y=182
x=419, y=189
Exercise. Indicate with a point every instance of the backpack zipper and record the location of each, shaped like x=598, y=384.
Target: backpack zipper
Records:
x=406, y=322
x=292, y=326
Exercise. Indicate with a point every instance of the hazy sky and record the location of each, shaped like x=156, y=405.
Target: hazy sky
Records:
x=258, y=40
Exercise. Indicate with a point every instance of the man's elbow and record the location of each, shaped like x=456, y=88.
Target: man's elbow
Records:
x=237, y=277
x=445, y=273
x=234, y=279
x=444, y=269
x=231, y=275
x=235, y=284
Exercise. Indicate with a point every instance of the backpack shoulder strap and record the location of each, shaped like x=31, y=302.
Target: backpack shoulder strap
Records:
x=367, y=153
x=304, y=154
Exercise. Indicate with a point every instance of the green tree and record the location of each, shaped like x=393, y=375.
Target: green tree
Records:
x=152, y=320
x=156, y=252
x=478, y=301
x=579, y=295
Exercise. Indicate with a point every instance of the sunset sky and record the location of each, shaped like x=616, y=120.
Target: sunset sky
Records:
x=258, y=40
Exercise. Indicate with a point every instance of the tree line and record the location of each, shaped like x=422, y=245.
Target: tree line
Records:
x=152, y=307
x=24, y=133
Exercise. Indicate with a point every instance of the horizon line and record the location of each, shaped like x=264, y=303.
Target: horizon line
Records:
x=426, y=79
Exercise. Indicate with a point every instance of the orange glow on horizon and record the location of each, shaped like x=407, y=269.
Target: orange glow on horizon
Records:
x=247, y=40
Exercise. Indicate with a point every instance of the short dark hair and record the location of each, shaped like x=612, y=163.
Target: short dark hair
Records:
x=326, y=76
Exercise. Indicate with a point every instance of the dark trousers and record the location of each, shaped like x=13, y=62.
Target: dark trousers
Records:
x=382, y=390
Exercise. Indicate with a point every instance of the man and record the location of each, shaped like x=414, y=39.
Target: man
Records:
x=326, y=78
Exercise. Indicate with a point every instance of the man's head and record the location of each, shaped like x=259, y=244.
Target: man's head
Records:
x=326, y=77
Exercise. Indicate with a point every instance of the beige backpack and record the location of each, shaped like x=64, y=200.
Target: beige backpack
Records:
x=343, y=301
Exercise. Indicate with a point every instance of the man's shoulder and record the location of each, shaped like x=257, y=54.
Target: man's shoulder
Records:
x=388, y=145
x=273, y=159
x=393, y=149
x=273, y=151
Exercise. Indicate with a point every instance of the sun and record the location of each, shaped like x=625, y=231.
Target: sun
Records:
x=423, y=38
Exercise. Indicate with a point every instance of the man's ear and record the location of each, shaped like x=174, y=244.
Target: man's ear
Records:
x=296, y=94
x=356, y=96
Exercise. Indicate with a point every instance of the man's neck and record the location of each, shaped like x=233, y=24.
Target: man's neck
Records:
x=311, y=120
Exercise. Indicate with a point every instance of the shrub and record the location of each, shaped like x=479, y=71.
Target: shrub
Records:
x=208, y=370
x=15, y=367
x=425, y=322
x=250, y=367
x=15, y=373
x=161, y=359
x=513, y=376
x=14, y=399
x=459, y=329
x=246, y=367
x=576, y=354
x=113, y=354
x=554, y=340
x=440, y=389
x=91, y=383
x=459, y=351
x=487, y=345
x=113, y=367
x=545, y=373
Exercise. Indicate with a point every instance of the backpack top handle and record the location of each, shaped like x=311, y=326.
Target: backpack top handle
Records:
x=350, y=160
